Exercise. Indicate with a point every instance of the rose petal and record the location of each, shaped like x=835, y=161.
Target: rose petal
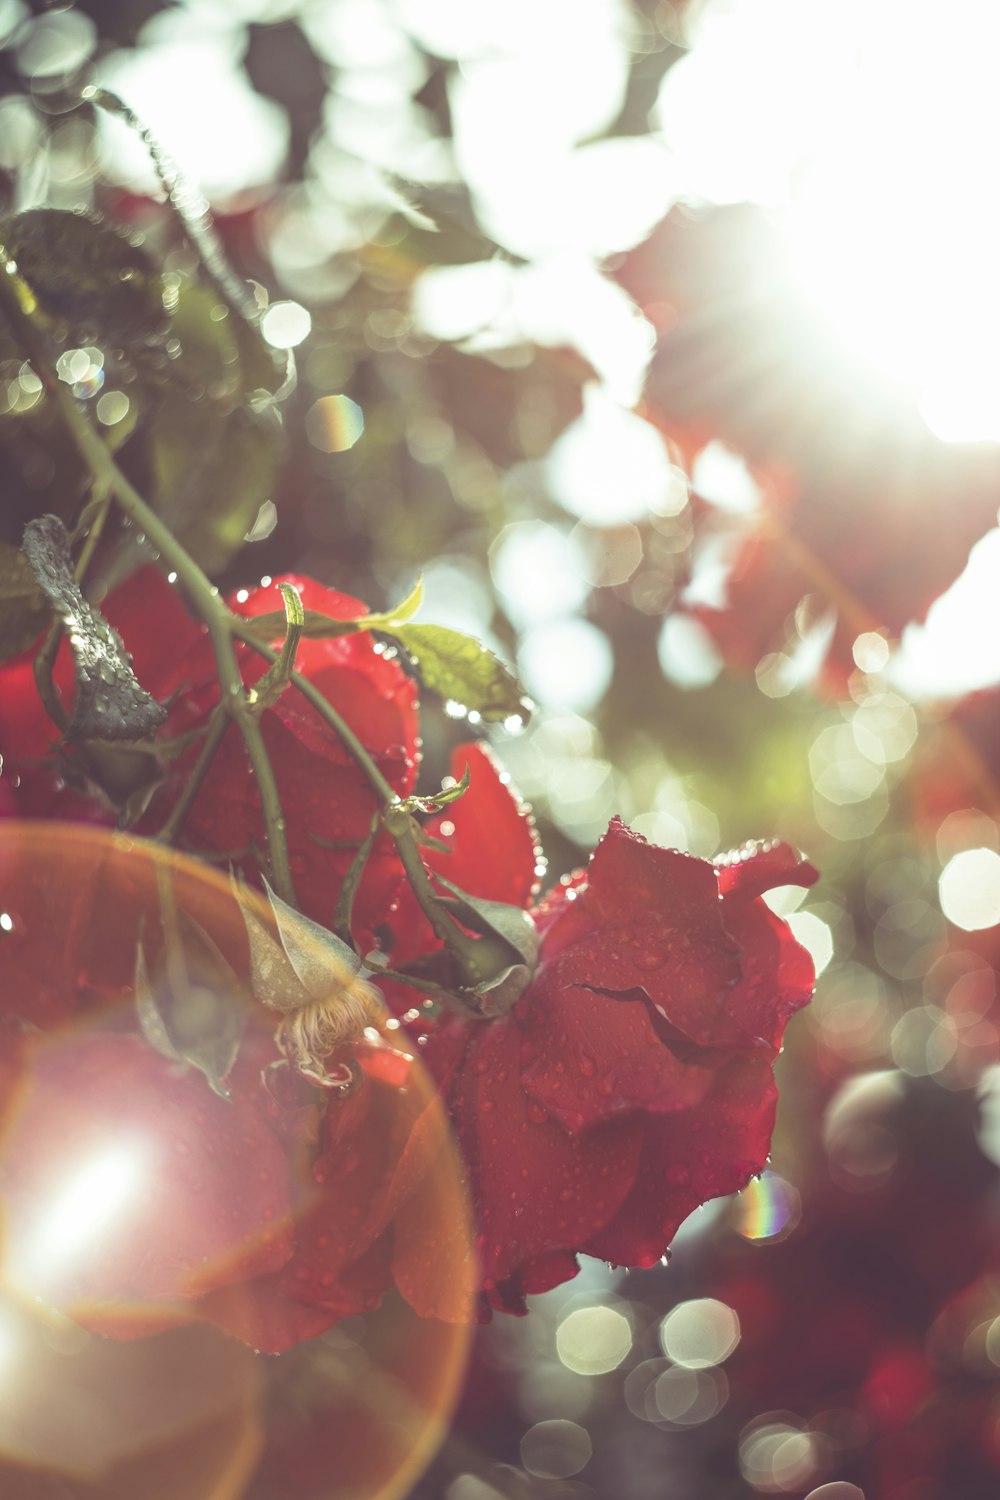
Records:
x=494, y=849
x=692, y=1156
x=778, y=974
x=536, y=1188
x=595, y=1057
x=651, y=919
x=756, y=868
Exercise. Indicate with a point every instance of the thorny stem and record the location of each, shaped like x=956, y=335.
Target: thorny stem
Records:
x=477, y=956
x=203, y=597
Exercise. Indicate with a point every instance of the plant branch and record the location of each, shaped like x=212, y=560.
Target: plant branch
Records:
x=217, y=726
x=204, y=597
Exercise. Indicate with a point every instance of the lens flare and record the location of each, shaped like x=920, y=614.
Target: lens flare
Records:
x=162, y=1172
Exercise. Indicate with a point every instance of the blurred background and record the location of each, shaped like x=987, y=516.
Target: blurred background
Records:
x=663, y=340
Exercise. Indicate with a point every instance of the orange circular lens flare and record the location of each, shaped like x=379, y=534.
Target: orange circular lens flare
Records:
x=186, y=1203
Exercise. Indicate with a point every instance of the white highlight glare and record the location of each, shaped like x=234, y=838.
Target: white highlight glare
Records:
x=957, y=649
x=969, y=889
x=285, y=325
x=886, y=181
x=539, y=571
x=593, y=1340
x=688, y=655
x=815, y=936
x=565, y=664
x=610, y=466
x=722, y=477
x=88, y=1205
x=227, y=137
x=700, y=1333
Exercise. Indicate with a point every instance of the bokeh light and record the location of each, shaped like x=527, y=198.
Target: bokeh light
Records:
x=700, y=1333
x=593, y=1340
x=969, y=889
x=334, y=424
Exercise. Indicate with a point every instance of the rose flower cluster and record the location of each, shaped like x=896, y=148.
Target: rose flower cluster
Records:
x=612, y=1071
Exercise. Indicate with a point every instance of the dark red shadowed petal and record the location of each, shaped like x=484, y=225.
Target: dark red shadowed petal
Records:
x=371, y=691
x=778, y=974
x=433, y=1265
x=260, y=1314
x=691, y=1156
x=158, y=631
x=594, y=1057
x=649, y=919
x=494, y=849
x=326, y=799
x=538, y=1275
x=387, y=1205
x=536, y=1188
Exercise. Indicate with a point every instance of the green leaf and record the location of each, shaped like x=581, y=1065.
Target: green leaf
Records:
x=399, y=613
x=460, y=668
x=278, y=675
x=512, y=923
x=110, y=702
x=23, y=610
x=83, y=272
x=435, y=801
x=316, y=626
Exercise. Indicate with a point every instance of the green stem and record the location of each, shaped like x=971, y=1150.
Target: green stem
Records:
x=383, y=791
x=400, y=827
x=203, y=596
x=468, y=950
x=217, y=726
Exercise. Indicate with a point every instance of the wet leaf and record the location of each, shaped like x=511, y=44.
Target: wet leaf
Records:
x=84, y=272
x=460, y=668
x=316, y=626
x=110, y=703
x=511, y=923
x=435, y=801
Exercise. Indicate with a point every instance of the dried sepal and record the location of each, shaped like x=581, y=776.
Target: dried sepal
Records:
x=317, y=984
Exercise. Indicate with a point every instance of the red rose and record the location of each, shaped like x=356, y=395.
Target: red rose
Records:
x=633, y=1078
x=325, y=799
